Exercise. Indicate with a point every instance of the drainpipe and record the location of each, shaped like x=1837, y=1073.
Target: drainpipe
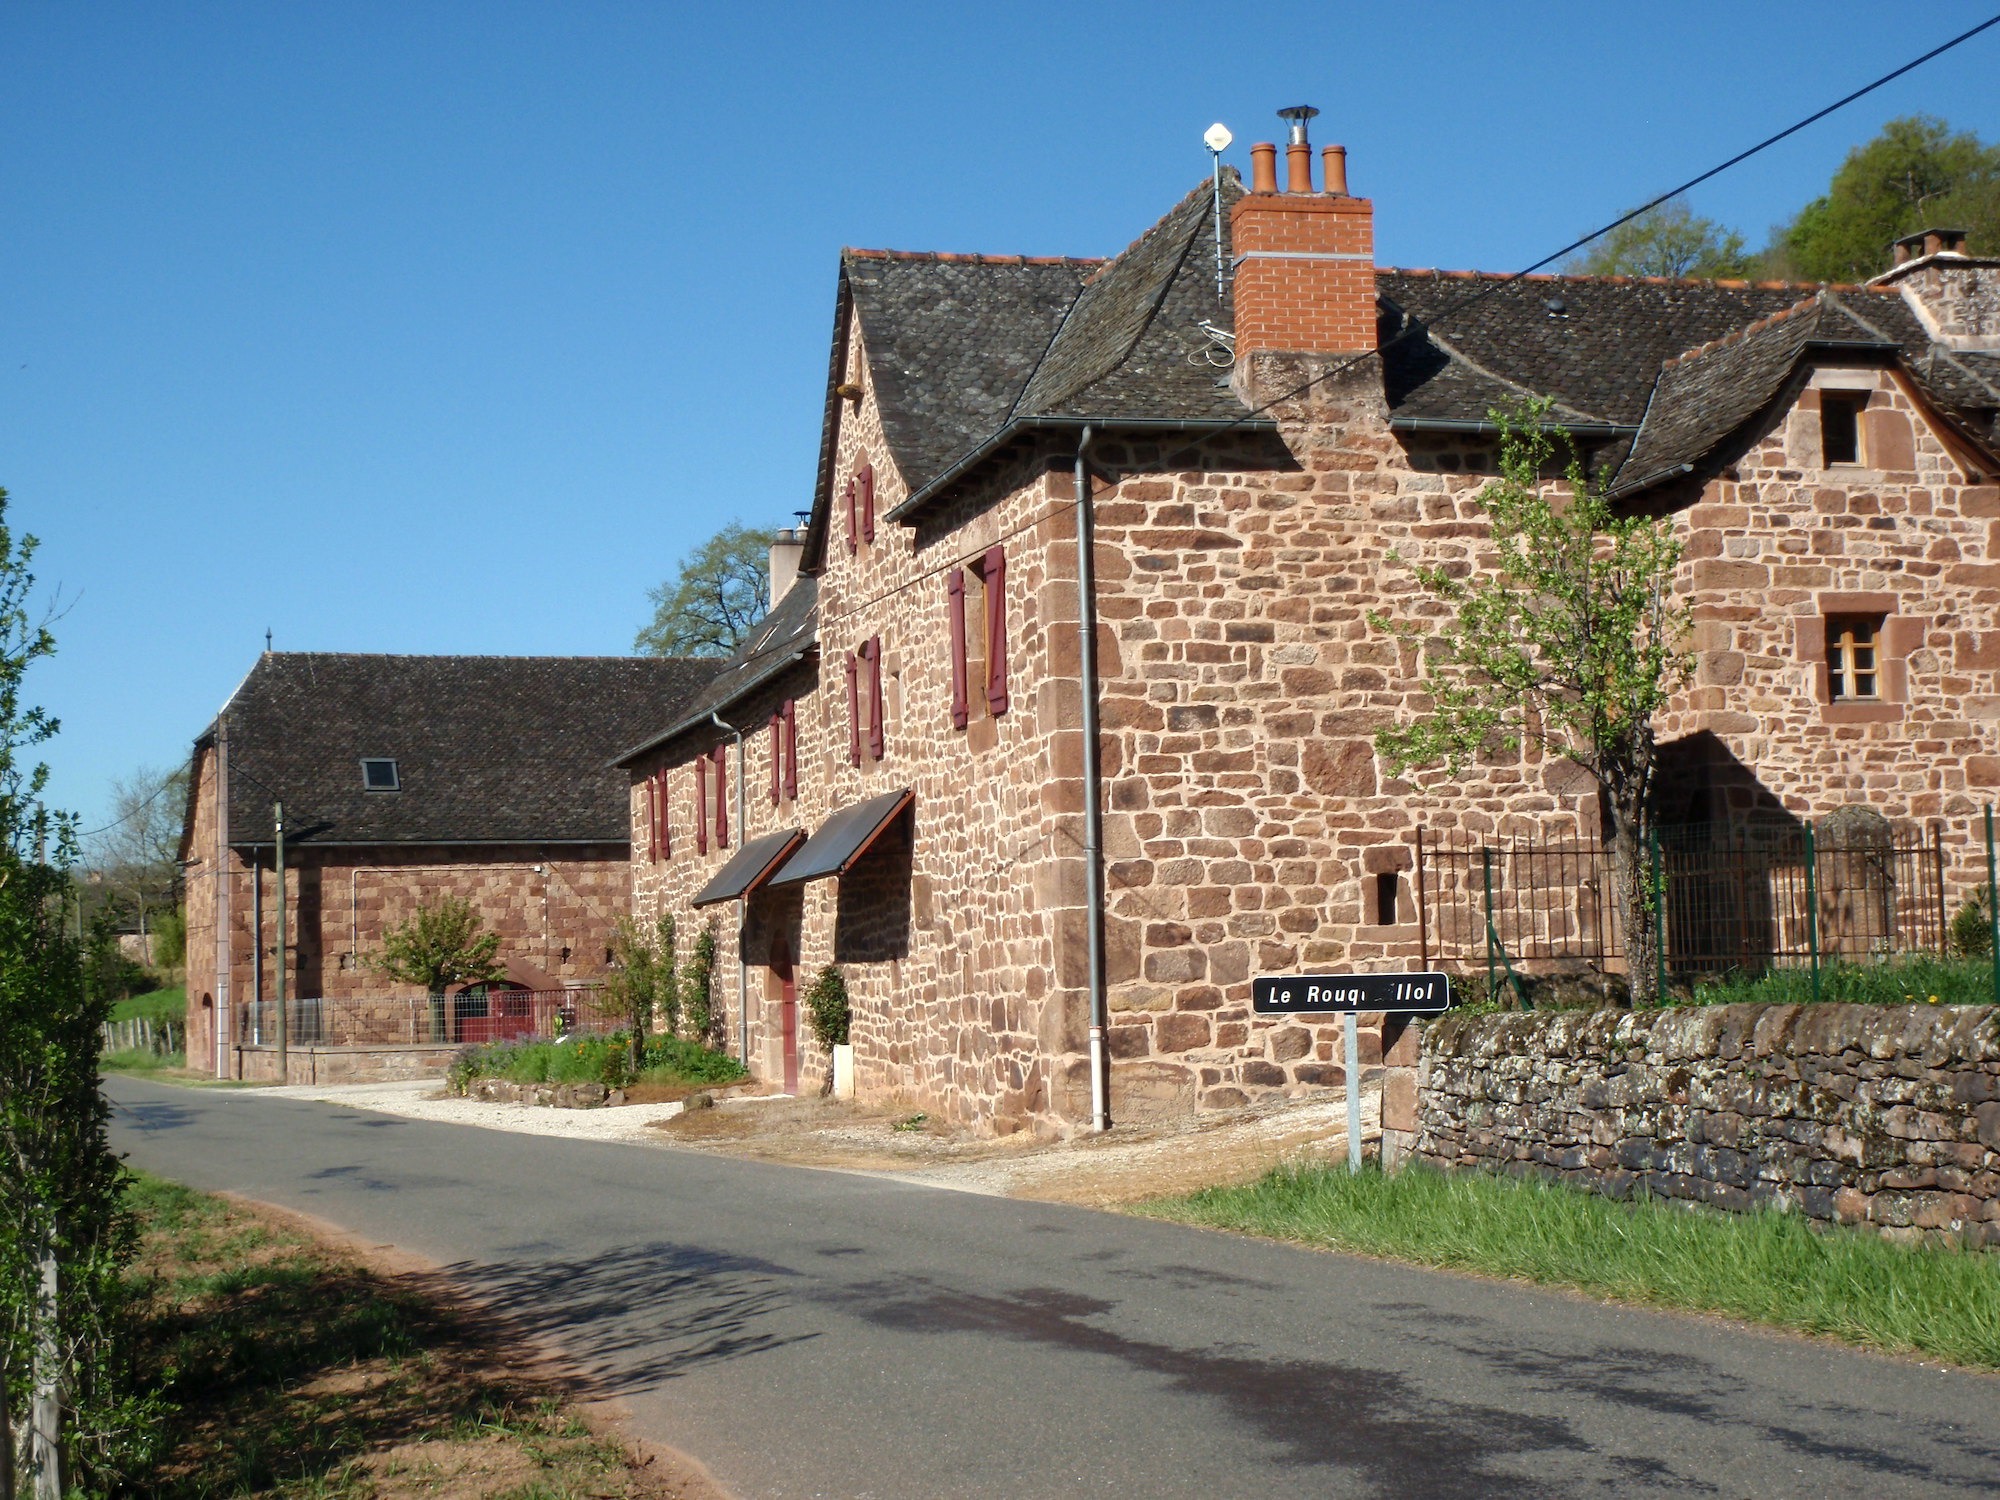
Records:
x=742, y=904
x=1093, y=840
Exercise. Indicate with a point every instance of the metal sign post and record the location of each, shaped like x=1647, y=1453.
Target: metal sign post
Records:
x=1347, y=995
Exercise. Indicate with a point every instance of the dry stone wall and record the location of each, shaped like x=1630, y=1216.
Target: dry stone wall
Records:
x=1885, y=1116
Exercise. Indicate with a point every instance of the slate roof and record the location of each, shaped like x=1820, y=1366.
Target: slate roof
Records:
x=784, y=636
x=489, y=749
x=966, y=351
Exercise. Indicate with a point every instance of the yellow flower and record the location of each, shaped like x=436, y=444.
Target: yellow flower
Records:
x=1934, y=999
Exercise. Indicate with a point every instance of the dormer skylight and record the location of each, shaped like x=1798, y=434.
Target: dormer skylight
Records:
x=380, y=776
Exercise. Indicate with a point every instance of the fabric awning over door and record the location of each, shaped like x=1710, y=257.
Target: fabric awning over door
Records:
x=843, y=838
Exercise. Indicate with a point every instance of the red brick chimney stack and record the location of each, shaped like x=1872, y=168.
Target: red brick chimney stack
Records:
x=1305, y=260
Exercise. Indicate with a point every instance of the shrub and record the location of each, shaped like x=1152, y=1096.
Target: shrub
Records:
x=827, y=1003
x=644, y=985
x=697, y=982
x=1972, y=925
x=592, y=1059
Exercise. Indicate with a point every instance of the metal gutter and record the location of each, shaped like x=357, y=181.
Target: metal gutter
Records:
x=1482, y=426
x=1019, y=426
x=1093, y=842
x=736, y=695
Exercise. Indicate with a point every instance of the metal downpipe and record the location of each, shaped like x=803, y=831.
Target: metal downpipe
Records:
x=1093, y=841
x=742, y=906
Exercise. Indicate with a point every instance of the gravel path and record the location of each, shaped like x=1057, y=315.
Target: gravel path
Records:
x=424, y=1100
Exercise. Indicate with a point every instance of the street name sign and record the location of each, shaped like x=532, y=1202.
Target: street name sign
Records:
x=1345, y=994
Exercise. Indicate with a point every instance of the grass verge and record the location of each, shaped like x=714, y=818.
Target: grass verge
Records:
x=297, y=1371
x=1767, y=1268
x=1914, y=979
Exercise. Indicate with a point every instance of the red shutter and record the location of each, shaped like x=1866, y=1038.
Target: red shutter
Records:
x=665, y=805
x=701, y=804
x=876, y=740
x=792, y=748
x=867, y=502
x=722, y=796
x=777, y=757
x=853, y=712
x=995, y=571
x=853, y=533
x=652, y=823
x=954, y=598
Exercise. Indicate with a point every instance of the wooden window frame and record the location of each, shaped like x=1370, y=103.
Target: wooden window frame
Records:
x=1854, y=658
x=1897, y=636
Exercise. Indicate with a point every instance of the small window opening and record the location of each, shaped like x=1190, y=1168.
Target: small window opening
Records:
x=1840, y=426
x=1853, y=655
x=380, y=776
x=1386, y=884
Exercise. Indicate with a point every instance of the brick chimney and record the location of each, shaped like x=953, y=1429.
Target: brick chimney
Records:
x=1305, y=260
x=1954, y=295
x=787, y=548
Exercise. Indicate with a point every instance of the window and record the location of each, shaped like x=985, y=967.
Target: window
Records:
x=1840, y=426
x=1386, y=883
x=977, y=600
x=380, y=776
x=785, y=753
x=1853, y=658
x=866, y=732
x=860, y=498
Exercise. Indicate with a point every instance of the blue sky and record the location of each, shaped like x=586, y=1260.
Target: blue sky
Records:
x=451, y=327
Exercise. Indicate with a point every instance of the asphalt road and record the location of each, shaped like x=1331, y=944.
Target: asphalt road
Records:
x=810, y=1333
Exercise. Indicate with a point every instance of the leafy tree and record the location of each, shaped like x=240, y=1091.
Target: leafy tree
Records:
x=697, y=986
x=716, y=599
x=827, y=1004
x=1671, y=240
x=65, y=1235
x=644, y=984
x=137, y=854
x=1571, y=642
x=1915, y=174
x=441, y=945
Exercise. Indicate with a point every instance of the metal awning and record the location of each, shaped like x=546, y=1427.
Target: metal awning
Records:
x=750, y=867
x=843, y=838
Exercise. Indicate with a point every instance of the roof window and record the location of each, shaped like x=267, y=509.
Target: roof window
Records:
x=380, y=776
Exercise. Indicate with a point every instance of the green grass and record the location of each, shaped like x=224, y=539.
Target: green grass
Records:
x=670, y=1062
x=1766, y=1267
x=140, y=1063
x=1914, y=979
x=158, y=1005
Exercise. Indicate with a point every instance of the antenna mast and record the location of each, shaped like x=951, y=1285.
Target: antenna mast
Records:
x=1217, y=140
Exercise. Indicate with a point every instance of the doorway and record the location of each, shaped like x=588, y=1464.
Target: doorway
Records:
x=788, y=1010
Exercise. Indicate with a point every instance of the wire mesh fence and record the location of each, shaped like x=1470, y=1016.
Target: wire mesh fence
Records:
x=466, y=1018
x=1741, y=901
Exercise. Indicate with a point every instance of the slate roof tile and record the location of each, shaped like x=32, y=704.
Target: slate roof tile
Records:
x=489, y=749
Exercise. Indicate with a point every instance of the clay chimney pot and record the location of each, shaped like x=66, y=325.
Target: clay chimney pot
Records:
x=1264, y=167
x=1335, y=174
x=1298, y=168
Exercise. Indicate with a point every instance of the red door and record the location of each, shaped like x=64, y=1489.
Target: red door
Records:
x=788, y=1012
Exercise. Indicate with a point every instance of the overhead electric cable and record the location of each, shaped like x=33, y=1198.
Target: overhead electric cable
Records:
x=1506, y=280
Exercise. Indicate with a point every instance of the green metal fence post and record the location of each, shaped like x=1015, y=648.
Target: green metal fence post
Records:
x=1659, y=918
x=1812, y=907
x=1486, y=875
x=1992, y=904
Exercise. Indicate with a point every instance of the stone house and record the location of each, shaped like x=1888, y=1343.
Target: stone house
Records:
x=404, y=778
x=1272, y=430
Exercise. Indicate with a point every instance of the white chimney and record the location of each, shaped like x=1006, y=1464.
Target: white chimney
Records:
x=787, y=548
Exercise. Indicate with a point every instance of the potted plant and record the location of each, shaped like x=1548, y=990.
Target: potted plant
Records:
x=827, y=1003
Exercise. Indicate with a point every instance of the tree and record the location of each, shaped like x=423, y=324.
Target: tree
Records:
x=1671, y=240
x=137, y=854
x=440, y=946
x=1914, y=175
x=1571, y=641
x=716, y=599
x=65, y=1234
x=644, y=983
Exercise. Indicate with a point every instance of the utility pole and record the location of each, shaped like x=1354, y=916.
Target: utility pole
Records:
x=278, y=824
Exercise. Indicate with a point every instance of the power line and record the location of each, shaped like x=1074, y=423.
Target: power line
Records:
x=1501, y=282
